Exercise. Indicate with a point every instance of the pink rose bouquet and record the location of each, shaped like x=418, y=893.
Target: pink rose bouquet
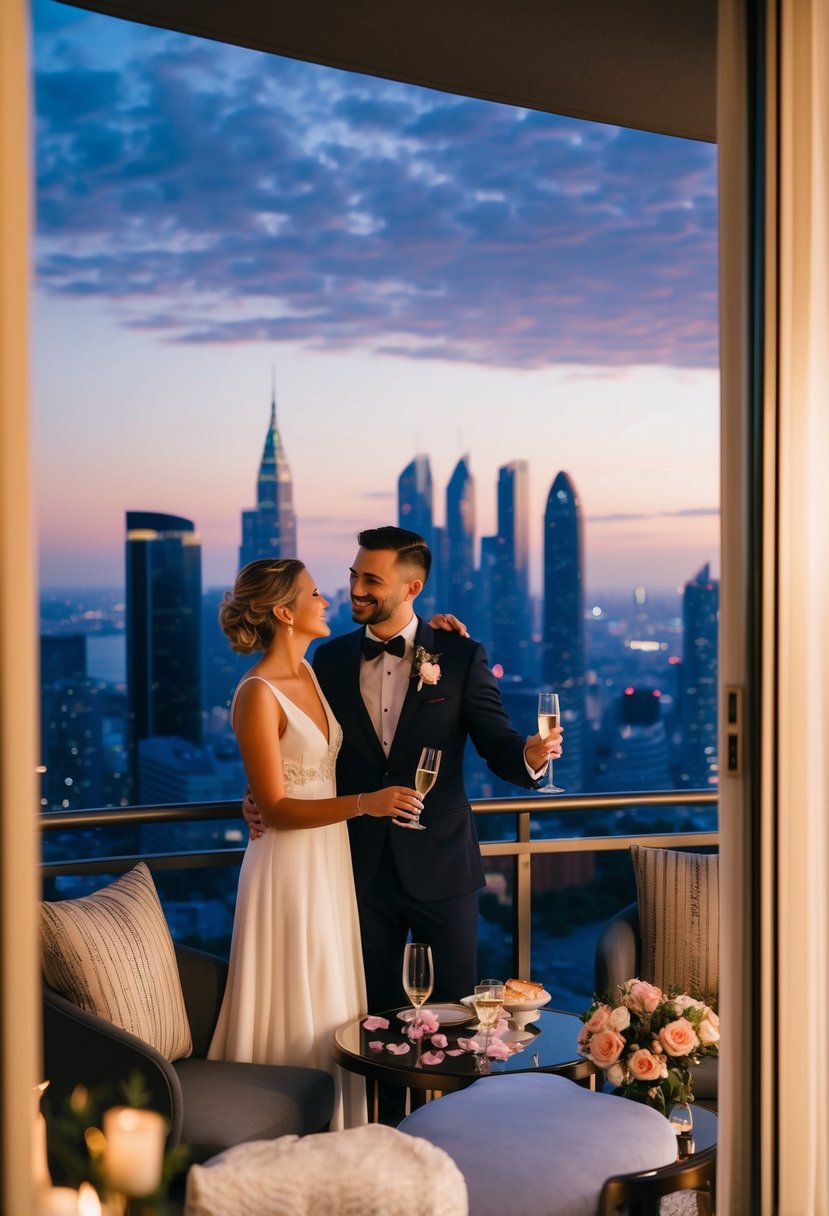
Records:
x=647, y=1040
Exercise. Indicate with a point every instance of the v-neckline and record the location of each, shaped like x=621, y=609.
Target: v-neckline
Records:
x=299, y=709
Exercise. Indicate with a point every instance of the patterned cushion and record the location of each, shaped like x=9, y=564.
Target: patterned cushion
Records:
x=111, y=954
x=679, y=918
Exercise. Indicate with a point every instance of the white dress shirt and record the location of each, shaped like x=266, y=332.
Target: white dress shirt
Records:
x=384, y=683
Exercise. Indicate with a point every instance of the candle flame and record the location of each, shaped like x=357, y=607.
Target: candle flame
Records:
x=88, y=1202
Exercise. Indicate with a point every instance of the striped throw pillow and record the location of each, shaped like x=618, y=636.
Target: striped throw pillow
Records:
x=111, y=954
x=679, y=919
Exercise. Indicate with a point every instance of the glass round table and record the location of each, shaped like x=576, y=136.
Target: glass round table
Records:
x=548, y=1045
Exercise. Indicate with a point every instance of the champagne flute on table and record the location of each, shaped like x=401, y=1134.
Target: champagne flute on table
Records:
x=488, y=1001
x=548, y=719
x=425, y=777
x=418, y=975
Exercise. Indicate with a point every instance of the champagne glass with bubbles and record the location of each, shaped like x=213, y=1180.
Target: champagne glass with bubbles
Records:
x=425, y=777
x=488, y=1001
x=548, y=719
x=418, y=975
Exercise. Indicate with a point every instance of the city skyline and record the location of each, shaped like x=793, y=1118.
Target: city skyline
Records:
x=426, y=273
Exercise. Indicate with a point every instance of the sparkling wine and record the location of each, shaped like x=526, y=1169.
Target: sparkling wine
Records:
x=424, y=780
x=487, y=1009
x=418, y=995
x=546, y=723
x=426, y=774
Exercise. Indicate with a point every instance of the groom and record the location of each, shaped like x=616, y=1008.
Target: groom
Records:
x=396, y=686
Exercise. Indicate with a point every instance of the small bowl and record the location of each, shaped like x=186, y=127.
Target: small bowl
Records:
x=537, y=1002
x=522, y=1013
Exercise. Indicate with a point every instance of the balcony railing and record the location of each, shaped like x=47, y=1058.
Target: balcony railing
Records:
x=522, y=847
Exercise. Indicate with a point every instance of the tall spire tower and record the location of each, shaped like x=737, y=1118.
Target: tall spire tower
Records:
x=269, y=529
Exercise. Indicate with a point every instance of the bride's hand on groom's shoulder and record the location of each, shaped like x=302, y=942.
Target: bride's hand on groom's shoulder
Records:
x=449, y=624
x=253, y=819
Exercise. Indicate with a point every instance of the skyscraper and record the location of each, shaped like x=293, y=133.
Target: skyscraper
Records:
x=163, y=577
x=269, y=528
x=511, y=618
x=414, y=512
x=562, y=630
x=71, y=726
x=563, y=617
x=700, y=611
x=414, y=498
x=458, y=584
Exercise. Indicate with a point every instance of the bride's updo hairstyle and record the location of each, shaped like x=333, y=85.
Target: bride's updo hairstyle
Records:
x=246, y=613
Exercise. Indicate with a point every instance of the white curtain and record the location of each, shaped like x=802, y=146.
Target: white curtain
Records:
x=803, y=603
x=19, y=879
x=787, y=818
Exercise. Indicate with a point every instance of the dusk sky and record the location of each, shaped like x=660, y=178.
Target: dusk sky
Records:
x=422, y=272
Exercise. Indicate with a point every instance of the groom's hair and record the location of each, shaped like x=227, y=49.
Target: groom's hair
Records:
x=410, y=548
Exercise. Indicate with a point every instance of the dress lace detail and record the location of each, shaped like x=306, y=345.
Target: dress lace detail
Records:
x=300, y=774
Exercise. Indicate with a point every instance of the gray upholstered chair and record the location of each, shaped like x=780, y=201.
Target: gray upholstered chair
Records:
x=678, y=891
x=210, y=1104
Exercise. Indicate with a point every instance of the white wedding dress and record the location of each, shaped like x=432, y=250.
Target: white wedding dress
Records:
x=296, y=968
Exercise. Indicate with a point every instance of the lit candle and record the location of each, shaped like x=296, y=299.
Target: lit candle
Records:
x=58, y=1201
x=134, y=1153
x=40, y=1164
x=88, y=1202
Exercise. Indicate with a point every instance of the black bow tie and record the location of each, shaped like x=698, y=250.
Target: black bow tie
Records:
x=373, y=650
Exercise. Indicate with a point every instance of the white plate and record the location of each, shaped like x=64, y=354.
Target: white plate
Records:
x=447, y=1015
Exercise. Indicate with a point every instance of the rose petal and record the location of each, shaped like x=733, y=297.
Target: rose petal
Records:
x=398, y=1049
x=498, y=1050
x=377, y=1044
x=439, y=1040
x=469, y=1044
x=431, y=1057
x=376, y=1023
x=456, y=1051
x=416, y=1032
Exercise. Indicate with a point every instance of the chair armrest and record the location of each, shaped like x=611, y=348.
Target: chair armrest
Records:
x=617, y=957
x=203, y=979
x=79, y=1048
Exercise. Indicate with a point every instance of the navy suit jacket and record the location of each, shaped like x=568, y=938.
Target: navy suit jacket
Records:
x=445, y=859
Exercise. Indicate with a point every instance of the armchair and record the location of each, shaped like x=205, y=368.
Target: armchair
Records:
x=669, y=936
x=210, y=1104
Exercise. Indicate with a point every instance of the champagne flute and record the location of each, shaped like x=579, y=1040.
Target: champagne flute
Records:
x=548, y=719
x=418, y=975
x=425, y=777
x=488, y=1001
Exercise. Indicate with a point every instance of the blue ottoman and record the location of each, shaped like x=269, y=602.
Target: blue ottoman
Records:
x=539, y=1144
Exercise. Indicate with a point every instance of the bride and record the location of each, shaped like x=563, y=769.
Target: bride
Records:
x=296, y=970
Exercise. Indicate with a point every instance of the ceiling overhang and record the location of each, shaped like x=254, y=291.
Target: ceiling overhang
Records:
x=646, y=64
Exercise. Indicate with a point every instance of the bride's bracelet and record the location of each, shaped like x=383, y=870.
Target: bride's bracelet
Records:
x=357, y=807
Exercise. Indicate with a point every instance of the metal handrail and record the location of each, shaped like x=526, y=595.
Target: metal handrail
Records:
x=182, y=812
x=522, y=848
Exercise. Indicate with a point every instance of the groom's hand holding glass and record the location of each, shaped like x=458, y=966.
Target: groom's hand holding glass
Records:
x=540, y=750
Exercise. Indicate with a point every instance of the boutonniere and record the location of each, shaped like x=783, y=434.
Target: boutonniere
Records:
x=425, y=667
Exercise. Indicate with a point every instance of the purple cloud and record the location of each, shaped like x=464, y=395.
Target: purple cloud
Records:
x=219, y=195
